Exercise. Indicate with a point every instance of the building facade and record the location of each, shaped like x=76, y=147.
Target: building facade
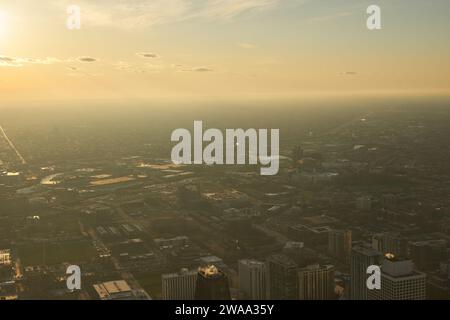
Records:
x=340, y=244
x=399, y=281
x=252, y=279
x=316, y=282
x=179, y=286
x=282, y=278
x=212, y=284
x=361, y=259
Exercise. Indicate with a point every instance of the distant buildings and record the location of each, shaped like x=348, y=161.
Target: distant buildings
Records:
x=172, y=242
x=364, y=203
x=399, y=281
x=390, y=243
x=427, y=255
x=282, y=278
x=361, y=259
x=438, y=284
x=316, y=282
x=340, y=244
x=212, y=284
x=8, y=291
x=252, y=279
x=7, y=284
x=295, y=251
x=5, y=257
x=114, y=290
x=179, y=286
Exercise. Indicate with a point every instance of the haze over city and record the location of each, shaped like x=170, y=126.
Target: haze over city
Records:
x=231, y=150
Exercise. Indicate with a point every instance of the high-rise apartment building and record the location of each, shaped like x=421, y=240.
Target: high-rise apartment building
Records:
x=252, y=279
x=340, y=244
x=282, y=278
x=179, y=286
x=316, y=282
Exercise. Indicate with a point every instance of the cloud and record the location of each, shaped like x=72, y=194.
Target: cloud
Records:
x=145, y=13
x=145, y=68
x=121, y=65
x=20, y=61
x=23, y=61
x=83, y=74
x=7, y=59
x=147, y=55
x=86, y=59
x=348, y=73
x=198, y=69
x=330, y=17
x=246, y=45
x=203, y=69
x=152, y=67
x=227, y=9
x=9, y=62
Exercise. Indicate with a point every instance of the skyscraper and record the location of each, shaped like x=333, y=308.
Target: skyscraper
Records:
x=282, y=278
x=252, y=279
x=179, y=286
x=399, y=281
x=212, y=284
x=340, y=244
x=361, y=259
x=316, y=282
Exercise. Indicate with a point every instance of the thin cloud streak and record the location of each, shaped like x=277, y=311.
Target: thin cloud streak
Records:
x=132, y=14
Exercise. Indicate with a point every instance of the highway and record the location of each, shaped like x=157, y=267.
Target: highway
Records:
x=13, y=147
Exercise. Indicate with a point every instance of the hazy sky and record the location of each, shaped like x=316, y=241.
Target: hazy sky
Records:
x=150, y=49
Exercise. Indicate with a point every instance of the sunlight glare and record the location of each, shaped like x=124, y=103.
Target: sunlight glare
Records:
x=3, y=23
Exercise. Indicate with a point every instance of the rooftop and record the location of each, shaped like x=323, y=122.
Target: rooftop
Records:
x=106, y=289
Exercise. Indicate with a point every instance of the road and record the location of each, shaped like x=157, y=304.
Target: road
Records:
x=12, y=146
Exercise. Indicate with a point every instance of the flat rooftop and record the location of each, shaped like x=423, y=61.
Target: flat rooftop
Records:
x=106, y=289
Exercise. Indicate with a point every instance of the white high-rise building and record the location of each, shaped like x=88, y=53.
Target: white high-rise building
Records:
x=252, y=279
x=179, y=286
x=399, y=281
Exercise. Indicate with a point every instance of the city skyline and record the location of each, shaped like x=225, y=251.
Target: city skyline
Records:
x=233, y=150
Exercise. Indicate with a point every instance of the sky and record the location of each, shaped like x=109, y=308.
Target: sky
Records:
x=185, y=49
